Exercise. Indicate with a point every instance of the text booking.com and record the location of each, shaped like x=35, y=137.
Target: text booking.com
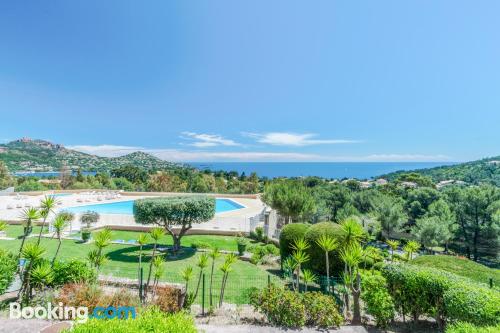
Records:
x=61, y=312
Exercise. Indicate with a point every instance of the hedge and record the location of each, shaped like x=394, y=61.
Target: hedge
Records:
x=469, y=328
x=8, y=266
x=317, y=255
x=445, y=296
x=289, y=233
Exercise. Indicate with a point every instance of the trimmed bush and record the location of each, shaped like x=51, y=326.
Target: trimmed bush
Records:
x=8, y=266
x=74, y=271
x=289, y=233
x=317, y=255
x=283, y=307
x=378, y=302
x=151, y=320
x=469, y=328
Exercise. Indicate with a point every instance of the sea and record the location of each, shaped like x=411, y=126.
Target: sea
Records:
x=329, y=170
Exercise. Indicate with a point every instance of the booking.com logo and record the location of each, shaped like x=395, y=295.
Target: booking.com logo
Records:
x=61, y=312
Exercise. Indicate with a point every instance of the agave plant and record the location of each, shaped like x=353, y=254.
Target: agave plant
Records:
x=155, y=234
x=213, y=254
x=47, y=206
x=327, y=244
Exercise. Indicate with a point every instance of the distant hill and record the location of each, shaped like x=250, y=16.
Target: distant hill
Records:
x=482, y=171
x=38, y=155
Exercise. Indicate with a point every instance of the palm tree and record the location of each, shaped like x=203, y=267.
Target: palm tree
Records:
x=226, y=268
x=327, y=244
x=59, y=225
x=155, y=234
x=410, y=248
x=300, y=244
x=289, y=265
x=202, y=264
x=308, y=277
x=158, y=264
x=351, y=232
x=352, y=256
x=370, y=252
x=141, y=240
x=186, y=275
x=102, y=240
x=32, y=252
x=300, y=258
x=47, y=206
x=393, y=244
x=213, y=254
x=28, y=216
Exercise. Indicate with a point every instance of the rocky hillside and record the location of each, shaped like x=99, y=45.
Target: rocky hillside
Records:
x=38, y=155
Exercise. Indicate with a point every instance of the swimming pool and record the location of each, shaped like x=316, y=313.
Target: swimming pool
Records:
x=126, y=207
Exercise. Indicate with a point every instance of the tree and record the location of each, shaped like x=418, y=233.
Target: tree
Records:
x=29, y=215
x=226, y=268
x=141, y=240
x=213, y=254
x=89, y=218
x=33, y=253
x=132, y=173
x=47, y=206
x=335, y=197
x=390, y=215
x=155, y=234
x=290, y=198
x=5, y=177
x=300, y=245
x=172, y=212
x=410, y=248
x=59, y=224
x=351, y=233
x=431, y=232
x=327, y=244
x=308, y=277
x=163, y=181
x=393, y=244
x=351, y=255
x=102, y=240
x=418, y=201
x=202, y=264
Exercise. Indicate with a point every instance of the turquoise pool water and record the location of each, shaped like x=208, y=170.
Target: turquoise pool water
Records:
x=59, y=195
x=126, y=207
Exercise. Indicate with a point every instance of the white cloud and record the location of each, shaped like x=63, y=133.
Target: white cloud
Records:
x=178, y=155
x=294, y=139
x=207, y=140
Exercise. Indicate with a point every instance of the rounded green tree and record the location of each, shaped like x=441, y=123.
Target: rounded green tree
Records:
x=175, y=214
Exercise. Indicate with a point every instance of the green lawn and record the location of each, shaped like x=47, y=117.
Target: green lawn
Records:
x=463, y=267
x=123, y=260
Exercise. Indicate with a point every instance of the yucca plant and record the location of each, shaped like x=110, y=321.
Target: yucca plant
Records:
x=300, y=258
x=159, y=267
x=352, y=256
x=289, y=266
x=59, y=224
x=47, y=206
x=213, y=254
x=155, y=234
x=102, y=240
x=393, y=244
x=351, y=232
x=370, y=252
x=96, y=259
x=226, y=268
x=33, y=253
x=308, y=277
x=327, y=244
x=202, y=264
x=42, y=275
x=300, y=244
x=187, y=274
x=29, y=215
x=410, y=248
x=141, y=240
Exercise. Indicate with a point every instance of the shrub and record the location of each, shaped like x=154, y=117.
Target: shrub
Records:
x=321, y=310
x=377, y=300
x=8, y=266
x=281, y=307
x=168, y=299
x=200, y=245
x=469, y=328
x=287, y=308
x=289, y=233
x=474, y=304
x=317, y=255
x=74, y=271
x=151, y=320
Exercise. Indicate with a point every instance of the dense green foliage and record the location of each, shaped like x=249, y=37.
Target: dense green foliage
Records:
x=317, y=255
x=289, y=233
x=73, y=271
x=447, y=297
x=460, y=266
x=8, y=265
x=377, y=300
x=151, y=320
x=469, y=328
x=287, y=308
x=475, y=172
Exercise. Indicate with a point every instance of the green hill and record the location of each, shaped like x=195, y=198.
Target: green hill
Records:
x=482, y=171
x=39, y=155
x=463, y=267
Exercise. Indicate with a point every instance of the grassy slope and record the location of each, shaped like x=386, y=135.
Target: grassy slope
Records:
x=123, y=260
x=463, y=267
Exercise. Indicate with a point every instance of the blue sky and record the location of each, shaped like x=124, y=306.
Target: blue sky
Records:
x=255, y=80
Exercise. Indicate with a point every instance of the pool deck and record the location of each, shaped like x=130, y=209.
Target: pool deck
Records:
x=231, y=222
